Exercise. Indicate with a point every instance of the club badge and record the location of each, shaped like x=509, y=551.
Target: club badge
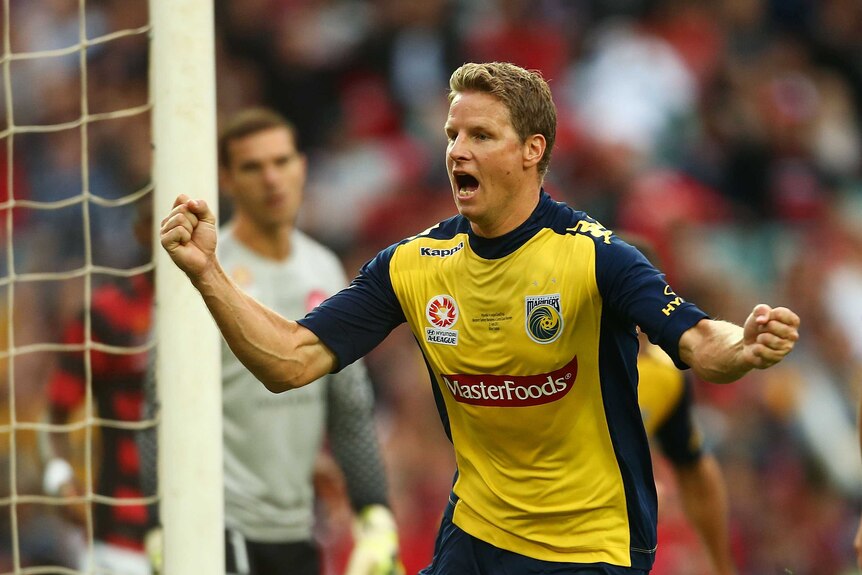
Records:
x=544, y=317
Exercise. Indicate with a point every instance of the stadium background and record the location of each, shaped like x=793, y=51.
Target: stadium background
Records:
x=727, y=131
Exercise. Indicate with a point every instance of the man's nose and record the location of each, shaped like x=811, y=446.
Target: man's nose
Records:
x=271, y=173
x=458, y=149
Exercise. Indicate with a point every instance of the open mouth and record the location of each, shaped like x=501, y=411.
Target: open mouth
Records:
x=467, y=184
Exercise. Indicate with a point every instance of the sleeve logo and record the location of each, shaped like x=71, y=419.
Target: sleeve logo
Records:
x=544, y=317
x=672, y=304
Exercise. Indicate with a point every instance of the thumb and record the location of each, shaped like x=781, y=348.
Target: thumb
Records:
x=203, y=212
x=761, y=313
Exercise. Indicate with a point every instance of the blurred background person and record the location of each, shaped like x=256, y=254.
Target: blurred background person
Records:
x=119, y=316
x=273, y=443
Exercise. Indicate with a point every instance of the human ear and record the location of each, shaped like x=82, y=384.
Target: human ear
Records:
x=534, y=150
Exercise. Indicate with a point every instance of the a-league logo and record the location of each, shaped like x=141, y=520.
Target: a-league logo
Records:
x=442, y=311
x=544, y=317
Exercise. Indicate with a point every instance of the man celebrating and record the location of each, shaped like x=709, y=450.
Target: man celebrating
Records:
x=525, y=310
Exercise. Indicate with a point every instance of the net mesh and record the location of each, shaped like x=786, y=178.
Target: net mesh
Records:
x=74, y=177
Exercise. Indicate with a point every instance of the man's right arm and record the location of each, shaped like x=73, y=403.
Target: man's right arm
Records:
x=279, y=352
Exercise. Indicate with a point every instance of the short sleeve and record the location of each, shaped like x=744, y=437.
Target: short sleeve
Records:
x=353, y=321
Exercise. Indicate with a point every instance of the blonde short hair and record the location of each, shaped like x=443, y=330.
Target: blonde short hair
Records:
x=525, y=93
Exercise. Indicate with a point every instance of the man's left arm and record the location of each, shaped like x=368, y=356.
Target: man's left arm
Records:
x=721, y=352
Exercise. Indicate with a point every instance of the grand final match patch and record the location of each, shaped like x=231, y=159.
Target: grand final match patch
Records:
x=442, y=313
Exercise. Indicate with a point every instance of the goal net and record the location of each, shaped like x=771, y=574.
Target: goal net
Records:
x=109, y=113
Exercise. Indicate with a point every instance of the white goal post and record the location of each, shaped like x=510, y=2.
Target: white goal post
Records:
x=182, y=85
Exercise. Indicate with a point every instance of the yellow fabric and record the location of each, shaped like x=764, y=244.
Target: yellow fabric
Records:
x=541, y=480
x=660, y=387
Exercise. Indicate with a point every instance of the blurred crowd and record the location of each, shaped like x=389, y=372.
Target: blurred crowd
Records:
x=727, y=132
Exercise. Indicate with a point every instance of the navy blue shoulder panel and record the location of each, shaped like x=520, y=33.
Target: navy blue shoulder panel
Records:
x=637, y=293
x=353, y=321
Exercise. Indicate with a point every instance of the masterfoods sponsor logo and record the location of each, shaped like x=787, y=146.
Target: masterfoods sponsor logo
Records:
x=512, y=390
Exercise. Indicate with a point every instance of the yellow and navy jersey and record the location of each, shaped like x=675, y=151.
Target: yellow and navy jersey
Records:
x=666, y=398
x=531, y=345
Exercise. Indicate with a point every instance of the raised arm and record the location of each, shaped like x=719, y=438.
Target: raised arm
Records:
x=279, y=352
x=722, y=352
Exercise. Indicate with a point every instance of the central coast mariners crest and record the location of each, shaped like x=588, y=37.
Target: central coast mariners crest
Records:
x=544, y=317
x=441, y=311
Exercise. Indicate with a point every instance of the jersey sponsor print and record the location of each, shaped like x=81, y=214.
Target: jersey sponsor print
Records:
x=512, y=390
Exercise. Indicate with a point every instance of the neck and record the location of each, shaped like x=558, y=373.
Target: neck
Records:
x=515, y=215
x=272, y=243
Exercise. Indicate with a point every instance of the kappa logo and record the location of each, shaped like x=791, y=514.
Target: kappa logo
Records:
x=544, y=317
x=442, y=313
x=440, y=253
x=594, y=229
